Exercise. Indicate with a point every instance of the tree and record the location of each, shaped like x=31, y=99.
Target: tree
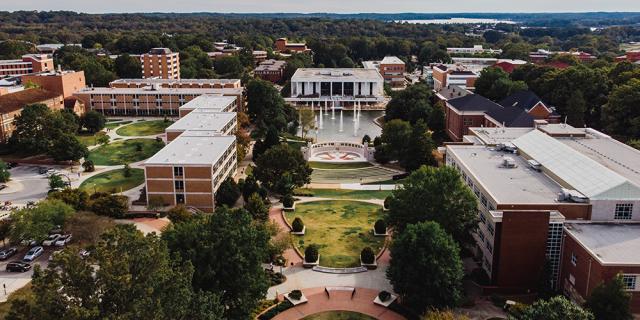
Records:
x=257, y=208
x=576, y=107
x=307, y=121
x=271, y=139
x=128, y=276
x=34, y=223
x=5, y=230
x=126, y=171
x=179, y=214
x=418, y=149
x=5, y=175
x=88, y=166
x=495, y=84
x=556, y=308
x=430, y=52
x=32, y=129
x=66, y=147
x=227, y=250
x=128, y=67
x=265, y=105
x=229, y=67
x=78, y=199
x=426, y=269
x=411, y=104
x=243, y=143
x=87, y=227
x=56, y=182
x=443, y=314
x=634, y=143
x=109, y=205
x=610, y=301
x=94, y=121
x=621, y=113
x=435, y=194
x=282, y=169
x=228, y=193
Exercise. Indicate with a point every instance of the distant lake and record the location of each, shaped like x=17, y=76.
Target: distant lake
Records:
x=457, y=21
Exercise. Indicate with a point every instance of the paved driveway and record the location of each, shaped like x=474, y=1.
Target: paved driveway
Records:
x=26, y=185
x=16, y=280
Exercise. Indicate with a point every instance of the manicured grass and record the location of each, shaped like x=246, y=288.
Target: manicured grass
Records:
x=332, y=166
x=113, y=125
x=341, y=229
x=338, y=315
x=113, y=181
x=23, y=293
x=391, y=181
x=144, y=128
x=126, y=151
x=346, y=194
x=89, y=139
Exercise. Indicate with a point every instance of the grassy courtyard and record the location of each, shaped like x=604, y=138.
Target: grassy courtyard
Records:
x=113, y=181
x=144, y=128
x=113, y=125
x=341, y=229
x=125, y=151
x=338, y=315
x=345, y=194
x=90, y=139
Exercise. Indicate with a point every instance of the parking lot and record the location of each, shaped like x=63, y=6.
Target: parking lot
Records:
x=12, y=281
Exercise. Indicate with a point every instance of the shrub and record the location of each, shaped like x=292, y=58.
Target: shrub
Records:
x=295, y=294
x=387, y=202
x=384, y=296
x=380, y=227
x=311, y=254
x=287, y=201
x=297, y=225
x=113, y=206
x=126, y=171
x=282, y=306
x=4, y=172
x=179, y=214
x=155, y=202
x=368, y=256
x=88, y=166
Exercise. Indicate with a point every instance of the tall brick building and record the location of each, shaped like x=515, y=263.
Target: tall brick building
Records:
x=161, y=63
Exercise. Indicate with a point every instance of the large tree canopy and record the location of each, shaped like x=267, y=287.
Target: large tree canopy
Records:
x=622, y=113
x=282, y=169
x=556, y=308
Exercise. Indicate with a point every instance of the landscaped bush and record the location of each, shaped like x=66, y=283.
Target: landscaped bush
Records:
x=295, y=294
x=384, y=296
x=387, y=202
x=380, y=227
x=287, y=201
x=297, y=225
x=275, y=278
x=88, y=166
x=368, y=256
x=311, y=254
x=276, y=310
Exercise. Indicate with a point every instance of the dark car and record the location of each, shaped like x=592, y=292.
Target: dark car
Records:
x=18, y=266
x=6, y=253
x=12, y=165
x=42, y=170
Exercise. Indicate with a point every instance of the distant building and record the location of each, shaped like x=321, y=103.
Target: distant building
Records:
x=177, y=83
x=60, y=82
x=161, y=63
x=220, y=123
x=476, y=49
x=391, y=68
x=51, y=48
x=210, y=103
x=631, y=56
x=259, y=56
x=508, y=65
x=454, y=74
x=340, y=85
x=271, y=70
x=542, y=56
x=283, y=45
x=11, y=106
x=521, y=109
x=30, y=63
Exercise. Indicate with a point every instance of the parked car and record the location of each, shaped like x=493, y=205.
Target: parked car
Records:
x=3, y=186
x=52, y=172
x=51, y=239
x=42, y=170
x=12, y=165
x=6, y=253
x=28, y=242
x=34, y=253
x=18, y=266
x=63, y=240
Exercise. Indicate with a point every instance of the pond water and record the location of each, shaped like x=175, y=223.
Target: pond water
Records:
x=331, y=127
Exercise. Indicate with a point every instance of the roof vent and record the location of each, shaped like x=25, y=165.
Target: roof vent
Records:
x=535, y=165
x=572, y=196
x=509, y=163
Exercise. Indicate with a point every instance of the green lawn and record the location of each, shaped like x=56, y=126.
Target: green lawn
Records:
x=89, y=139
x=338, y=315
x=326, y=165
x=112, y=125
x=125, y=151
x=144, y=128
x=340, y=228
x=113, y=181
x=346, y=194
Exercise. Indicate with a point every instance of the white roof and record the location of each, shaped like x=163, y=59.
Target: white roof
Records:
x=575, y=170
x=336, y=74
x=202, y=121
x=192, y=150
x=161, y=90
x=391, y=60
x=610, y=243
x=370, y=64
x=176, y=81
x=210, y=102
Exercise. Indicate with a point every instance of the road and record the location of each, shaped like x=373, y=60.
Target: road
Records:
x=12, y=281
x=26, y=185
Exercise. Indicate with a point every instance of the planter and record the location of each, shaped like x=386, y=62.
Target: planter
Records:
x=301, y=233
x=370, y=266
x=289, y=209
x=387, y=303
x=310, y=264
x=295, y=302
x=375, y=234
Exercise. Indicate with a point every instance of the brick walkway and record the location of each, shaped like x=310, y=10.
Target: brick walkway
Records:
x=289, y=254
x=318, y=301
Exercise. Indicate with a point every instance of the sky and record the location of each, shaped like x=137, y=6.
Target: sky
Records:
x=333, y=6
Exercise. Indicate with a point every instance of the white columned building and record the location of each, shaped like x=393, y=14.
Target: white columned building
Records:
x=341, y=85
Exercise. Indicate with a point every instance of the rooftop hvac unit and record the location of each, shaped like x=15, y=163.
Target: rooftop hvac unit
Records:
x=535, y=165
x=572, y=195
x=508, y=162
x=507, y=147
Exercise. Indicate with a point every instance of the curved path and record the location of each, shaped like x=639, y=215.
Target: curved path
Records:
x=318, y=301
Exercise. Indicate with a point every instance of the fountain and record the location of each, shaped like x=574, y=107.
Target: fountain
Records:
x=340, y=121
x=333, y=110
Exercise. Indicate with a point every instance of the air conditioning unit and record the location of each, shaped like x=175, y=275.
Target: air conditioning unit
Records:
x=572, y=195
x=535, y=165
x=507, y=147
x=508, y=162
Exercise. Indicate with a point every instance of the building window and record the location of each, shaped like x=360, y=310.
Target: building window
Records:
x=178, y=171
x=629, y=281
x=574, y=259
x=483, y=200
x=468, y=122
x=179, y=185
x=623, y=211
x=490, y=228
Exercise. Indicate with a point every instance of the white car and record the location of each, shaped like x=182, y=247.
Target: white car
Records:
x=51, y=239
x=34, y=253
x=63, y=240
